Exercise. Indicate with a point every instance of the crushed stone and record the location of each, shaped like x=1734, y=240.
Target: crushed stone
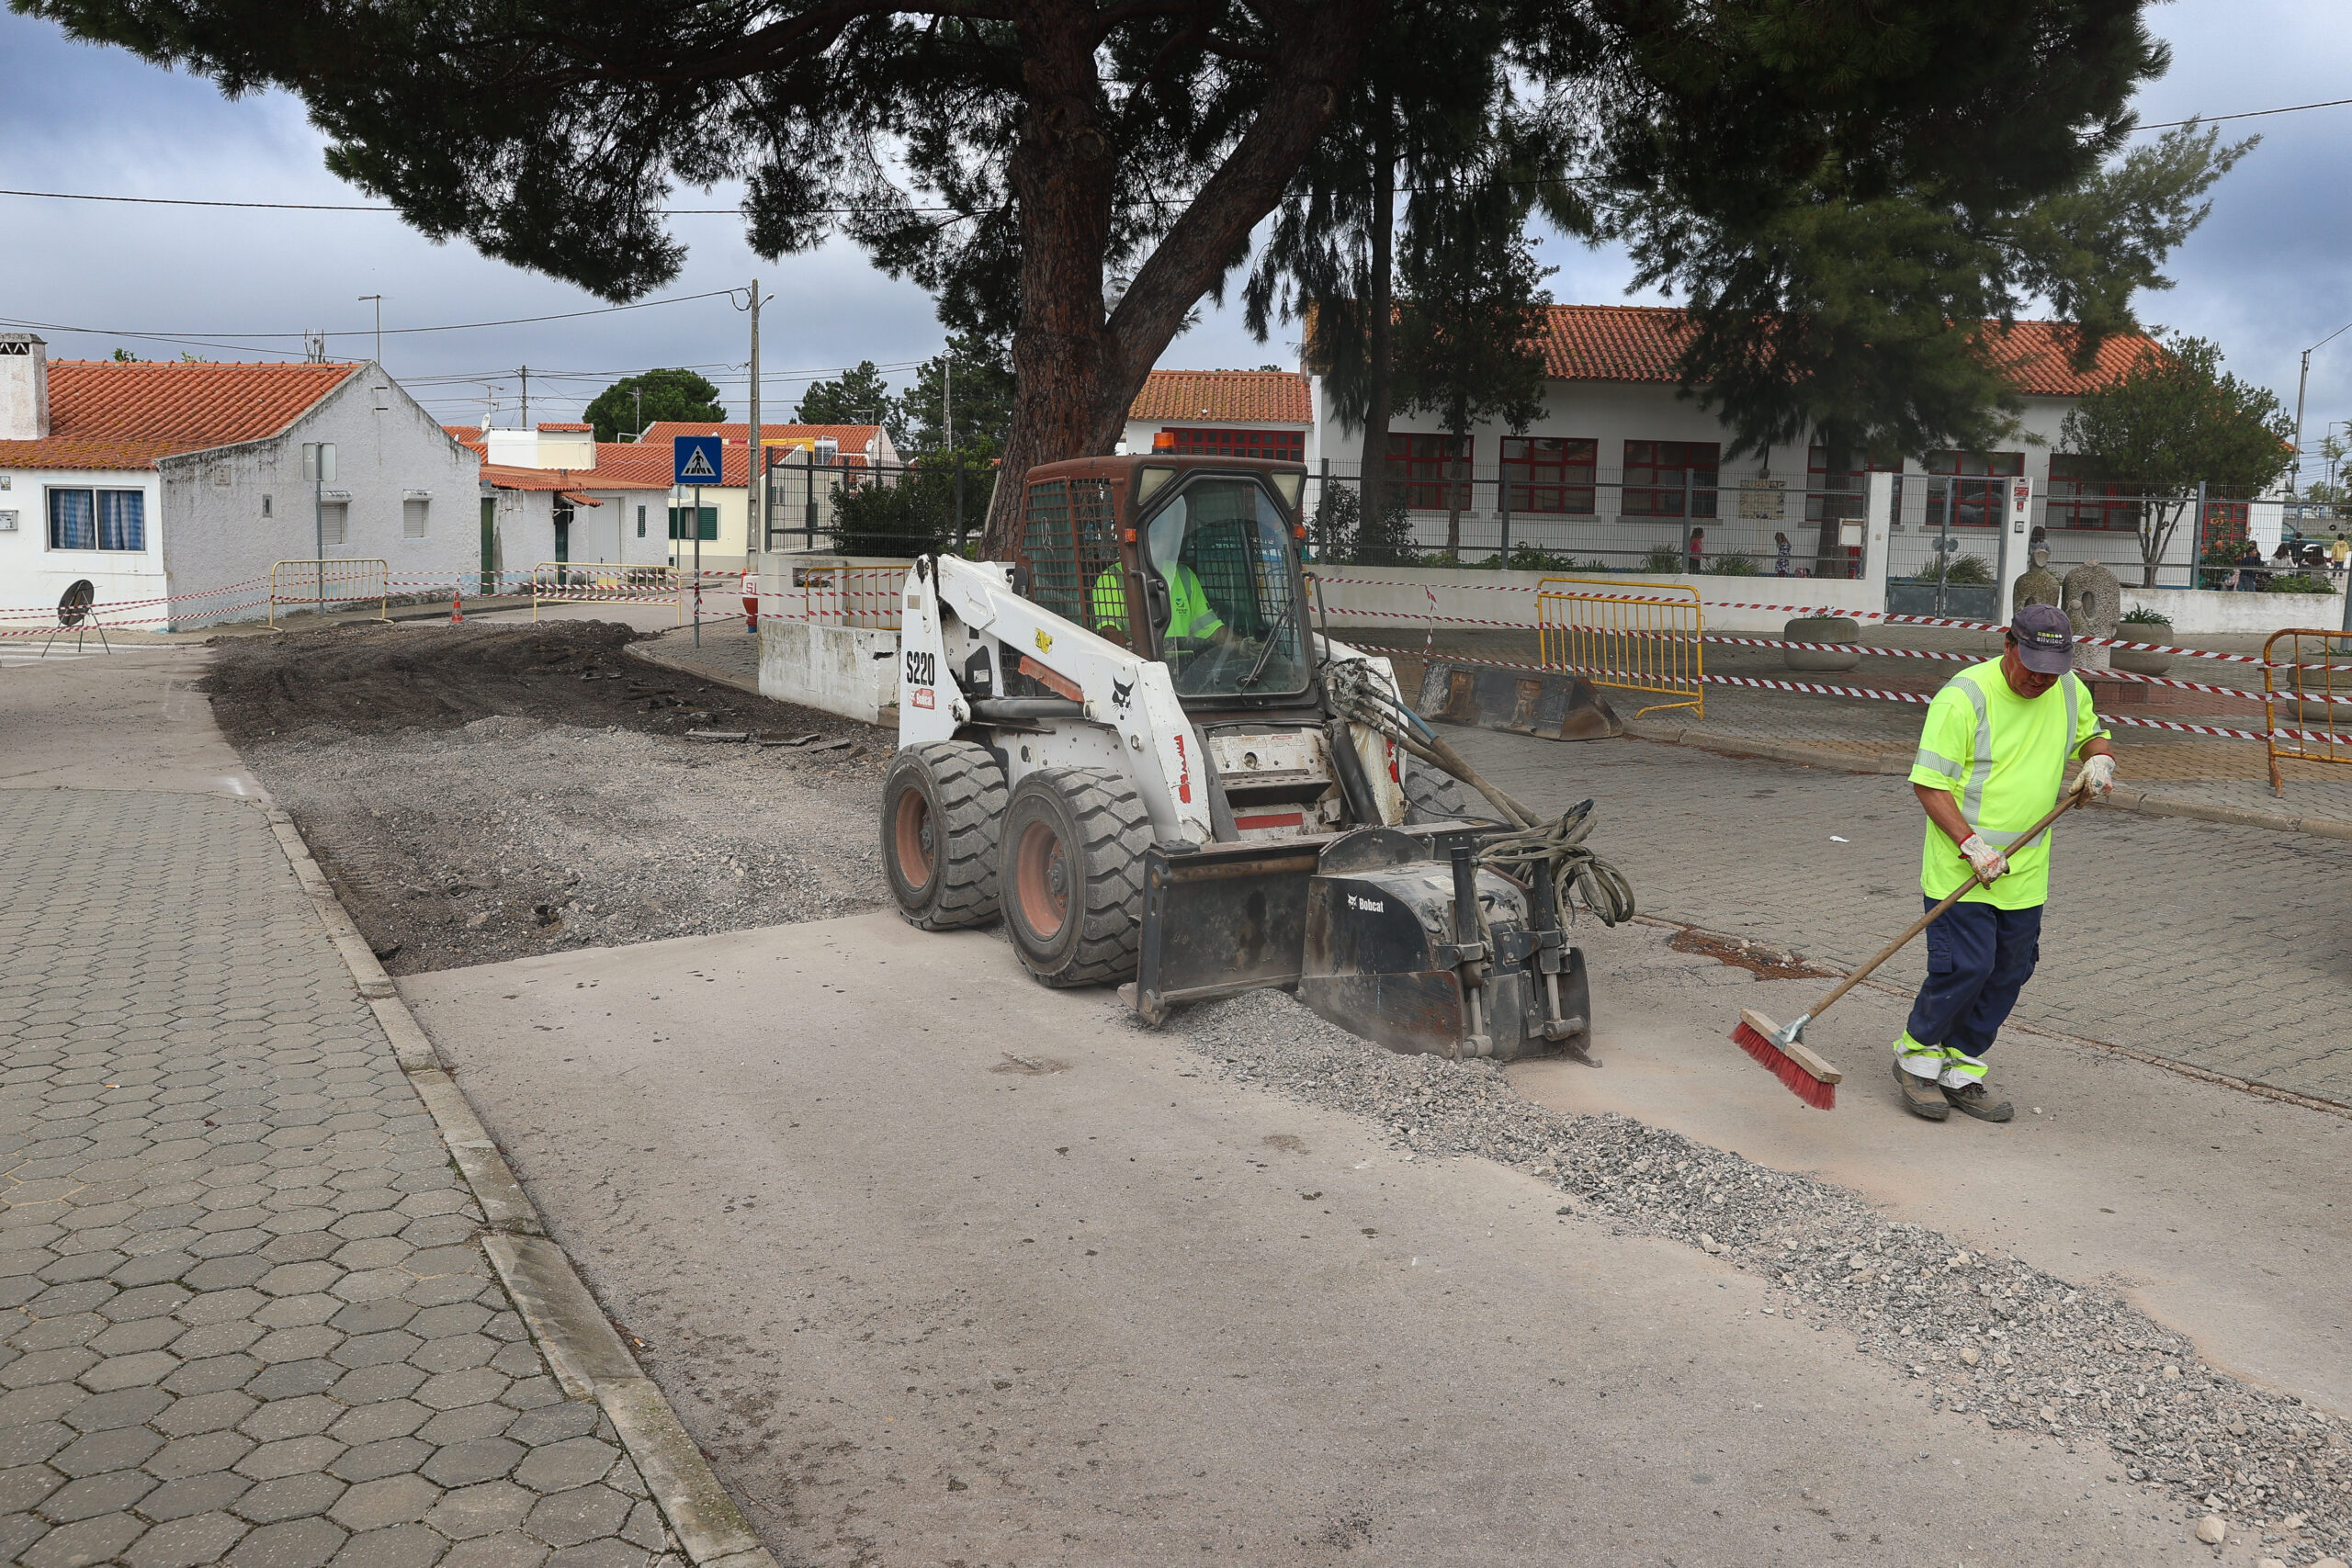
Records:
x=1986, y=1337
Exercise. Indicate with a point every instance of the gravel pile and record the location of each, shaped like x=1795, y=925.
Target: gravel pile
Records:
x=508, y=836
x=1989, y=1339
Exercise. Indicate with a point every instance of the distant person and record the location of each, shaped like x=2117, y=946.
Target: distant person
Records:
x=1780, y=554
x=1695, y=551
x=2338, y=553
x=2250, y=568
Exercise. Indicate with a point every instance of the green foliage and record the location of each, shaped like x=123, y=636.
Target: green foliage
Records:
x=1958, y=569
x=2174, y=421
x=1662, y=560
x=660, y=394
x=1733, y=565
x=859, y=395
x=914, y=516
x=1338, y=534
x=2298, y=583
x=2139, y=616
x=981, y=389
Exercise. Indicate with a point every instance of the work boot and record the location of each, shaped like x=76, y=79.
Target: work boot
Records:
x=1976, y=1100
x=1921, y=1096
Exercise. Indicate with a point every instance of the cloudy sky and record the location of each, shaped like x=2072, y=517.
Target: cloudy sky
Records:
x=2269, y=276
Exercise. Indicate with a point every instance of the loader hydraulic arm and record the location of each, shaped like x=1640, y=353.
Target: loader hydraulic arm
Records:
x=953, y=609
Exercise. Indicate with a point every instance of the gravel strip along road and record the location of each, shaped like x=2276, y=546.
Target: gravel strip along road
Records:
x=480, y=794
x=1989, y=1337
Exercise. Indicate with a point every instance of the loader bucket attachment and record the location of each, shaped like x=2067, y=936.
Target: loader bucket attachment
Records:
x=1220, y=920
x=1554, y=706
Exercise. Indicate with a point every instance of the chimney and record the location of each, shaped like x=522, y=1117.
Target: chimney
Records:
x=24, y=387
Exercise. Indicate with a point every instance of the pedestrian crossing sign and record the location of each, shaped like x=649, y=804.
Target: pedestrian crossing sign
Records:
x=695, y=459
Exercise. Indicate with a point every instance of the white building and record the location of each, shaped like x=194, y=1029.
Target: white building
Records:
x=1227, y=413
x=182, y=484
x=555, y=494
x=1620, y=465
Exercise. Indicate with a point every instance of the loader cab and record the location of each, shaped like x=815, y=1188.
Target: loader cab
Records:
x=1191, y=560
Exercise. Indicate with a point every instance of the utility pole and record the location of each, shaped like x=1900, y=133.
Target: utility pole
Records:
x=526, y=374
x=2295, y=472
x=947, y=428
x=755, y=477
x=380, y=325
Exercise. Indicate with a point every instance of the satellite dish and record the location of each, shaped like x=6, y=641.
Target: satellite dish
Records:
x=74, y=607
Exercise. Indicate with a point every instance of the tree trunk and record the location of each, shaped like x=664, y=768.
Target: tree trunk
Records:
x=1836, y=457
x=1075, y=371
x=1379, y=322
x=1454, y=502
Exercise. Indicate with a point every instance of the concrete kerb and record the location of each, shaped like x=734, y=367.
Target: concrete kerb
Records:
x=582, y=1347
x=1900, y=762
x=681, y=667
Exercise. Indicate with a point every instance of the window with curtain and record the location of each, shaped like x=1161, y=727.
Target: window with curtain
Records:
x=98, y=520
x=1549, y=473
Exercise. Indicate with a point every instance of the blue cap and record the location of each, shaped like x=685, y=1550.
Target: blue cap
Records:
x=2045, y=640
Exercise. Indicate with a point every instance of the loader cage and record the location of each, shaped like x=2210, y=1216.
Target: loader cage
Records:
x=1070, y=540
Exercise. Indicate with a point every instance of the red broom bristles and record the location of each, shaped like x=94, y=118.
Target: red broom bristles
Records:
x=1803, y=1085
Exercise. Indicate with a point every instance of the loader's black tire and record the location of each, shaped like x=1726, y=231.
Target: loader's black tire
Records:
x=1072, y=876
x=942, y=808
x=1432, y=794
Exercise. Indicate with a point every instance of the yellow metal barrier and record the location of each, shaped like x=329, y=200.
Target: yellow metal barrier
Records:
x=327, y=584
x=2312, y=674
x=1637, y=636
x=583, y=581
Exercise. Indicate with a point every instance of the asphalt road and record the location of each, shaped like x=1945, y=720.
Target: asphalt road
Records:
x=942, y=1267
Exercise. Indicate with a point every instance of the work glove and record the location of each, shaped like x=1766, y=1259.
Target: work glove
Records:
x=2097, y=775
x=1989, y=862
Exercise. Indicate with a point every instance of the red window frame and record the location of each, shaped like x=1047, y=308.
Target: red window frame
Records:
x=1819, y=483
x=1276, y=445
x=1420, y=466
x=1654, y=478
x=1980, y=487
x=2079, y=500
x=1550, y=474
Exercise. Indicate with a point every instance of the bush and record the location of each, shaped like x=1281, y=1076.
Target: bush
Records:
x=1957, y=568
x=2298, y=583
x=1661, y=560
x=915, y=514
x=2137, y=616
x=1732, y=566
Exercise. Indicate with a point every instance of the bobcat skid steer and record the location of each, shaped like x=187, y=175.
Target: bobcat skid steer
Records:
x=1131, y=744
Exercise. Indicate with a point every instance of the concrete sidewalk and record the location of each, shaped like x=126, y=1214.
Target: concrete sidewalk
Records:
x=245, y=1314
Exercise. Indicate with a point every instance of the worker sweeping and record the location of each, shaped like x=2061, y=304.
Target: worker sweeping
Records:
x=1992, y=761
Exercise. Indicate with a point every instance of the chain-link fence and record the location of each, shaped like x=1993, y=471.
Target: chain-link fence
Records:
x=855, y=507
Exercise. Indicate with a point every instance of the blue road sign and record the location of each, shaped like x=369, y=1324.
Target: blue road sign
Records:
x=696, y=459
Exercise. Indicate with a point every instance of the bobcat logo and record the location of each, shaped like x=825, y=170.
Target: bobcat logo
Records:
x=1121, y=691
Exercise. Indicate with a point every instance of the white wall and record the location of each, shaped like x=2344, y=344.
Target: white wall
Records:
x=32, y=576
x=387, y=450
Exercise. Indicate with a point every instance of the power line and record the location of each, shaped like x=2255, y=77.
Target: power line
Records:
x=2217, y=119
x=192, y=341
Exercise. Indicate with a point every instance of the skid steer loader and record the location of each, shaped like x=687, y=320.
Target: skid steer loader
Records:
x=1133, y=745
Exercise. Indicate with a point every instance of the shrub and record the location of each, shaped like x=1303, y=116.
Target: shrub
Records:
x=2140, y=617
x=1732, y=566
x=1957, y=568
x=2298, y=583
x=1661, y=560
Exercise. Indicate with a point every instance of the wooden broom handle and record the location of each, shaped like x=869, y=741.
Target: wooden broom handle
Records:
x=2071, y=798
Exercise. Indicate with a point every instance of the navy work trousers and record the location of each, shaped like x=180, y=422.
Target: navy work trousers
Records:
x=1978, y=959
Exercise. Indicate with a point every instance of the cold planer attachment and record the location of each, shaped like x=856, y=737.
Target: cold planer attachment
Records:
x=1392, y=933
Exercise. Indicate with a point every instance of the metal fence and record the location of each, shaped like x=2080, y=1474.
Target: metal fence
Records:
x=861, y=508
x=323, y=585
x=1649, y=641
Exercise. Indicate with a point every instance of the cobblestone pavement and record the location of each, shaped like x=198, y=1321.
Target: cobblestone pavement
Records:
x=243, y=1315
x=2213, y=945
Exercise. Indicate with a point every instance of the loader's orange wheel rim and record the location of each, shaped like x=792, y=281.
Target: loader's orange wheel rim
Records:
x=1040, y=877
x=911, y=838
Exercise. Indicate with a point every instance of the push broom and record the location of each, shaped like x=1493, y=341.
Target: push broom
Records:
x=1809, y=1074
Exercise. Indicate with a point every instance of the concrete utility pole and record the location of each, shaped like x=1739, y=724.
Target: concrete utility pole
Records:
x=380, y=324
x=755, y=478
x=526, y=374
x=2295, y=472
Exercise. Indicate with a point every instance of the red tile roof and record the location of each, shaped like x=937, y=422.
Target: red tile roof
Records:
x=1243, y=397
x=620, y=465
x=850, y=437
x=111, y=414
x=1640, y=343
x=563, y=481
x=470, y=434
x=566, y=426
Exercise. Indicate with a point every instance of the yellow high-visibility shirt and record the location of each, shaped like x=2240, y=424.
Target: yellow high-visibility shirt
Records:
x=1190, y=613
x=2004, y=759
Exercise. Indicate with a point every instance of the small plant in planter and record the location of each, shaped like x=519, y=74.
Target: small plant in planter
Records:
x=2142, y=625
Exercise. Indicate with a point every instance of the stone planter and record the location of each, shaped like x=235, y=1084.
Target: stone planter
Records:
x=1820, y=629
x=2141, y=663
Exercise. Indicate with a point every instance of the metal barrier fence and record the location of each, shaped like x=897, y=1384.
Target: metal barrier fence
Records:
x=2317, y=681
x=322, y=585
x=575, y=582
x=1649, y=643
